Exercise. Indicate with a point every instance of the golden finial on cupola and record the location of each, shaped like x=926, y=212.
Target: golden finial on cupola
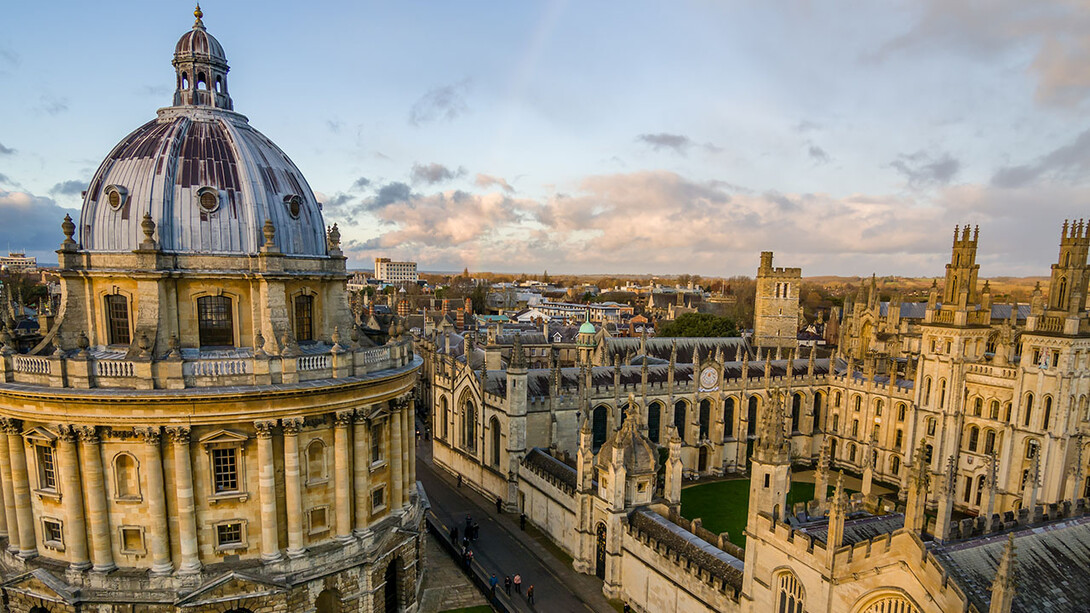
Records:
x=198, y=14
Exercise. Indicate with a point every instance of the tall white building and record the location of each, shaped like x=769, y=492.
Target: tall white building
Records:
x=389, y=271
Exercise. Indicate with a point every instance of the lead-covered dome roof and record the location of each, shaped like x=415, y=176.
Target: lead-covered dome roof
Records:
x=207, y=178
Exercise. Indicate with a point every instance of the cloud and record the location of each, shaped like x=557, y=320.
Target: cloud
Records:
x=818, y=154
x=334, y=126
x=361, y=183
x=484, y=181
x=1069, y=162
x=31, y=223
x=6, y=150
x=923, y=170
x=74, y=187
x=1056, y=33
x=52, y=104
x=5, y=180
x=677, y=142
x=430, y=174
x=806, y=125
x=446, y=102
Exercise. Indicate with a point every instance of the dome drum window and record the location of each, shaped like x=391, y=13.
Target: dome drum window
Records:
x=116, y=196
x=294, y=204
x=209, y=199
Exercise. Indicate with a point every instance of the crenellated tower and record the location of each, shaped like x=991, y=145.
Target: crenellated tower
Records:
x=1067, y=289
x=961, y=272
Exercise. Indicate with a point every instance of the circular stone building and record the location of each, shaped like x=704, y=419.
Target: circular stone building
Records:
x=203, y=427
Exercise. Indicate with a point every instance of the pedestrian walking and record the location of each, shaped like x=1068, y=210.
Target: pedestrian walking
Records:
x=469, y=559
x=492, y=583
x=507, y=584
x=459, y=481
x=476, y=531
x=530, y=594
x=518, y=583
x=499, y=505
x=522, y=521
x=469, y=522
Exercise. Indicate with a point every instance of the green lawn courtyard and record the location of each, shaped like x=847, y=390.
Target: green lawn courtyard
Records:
x=722, y=506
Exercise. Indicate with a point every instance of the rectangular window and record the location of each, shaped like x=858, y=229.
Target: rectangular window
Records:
x=378, y=499
x=132, y=540
x=376, y=443
x=304, y=317
x=52, y=532
x=117, y=319
x=47, y=476
x=229, y=534
x=225, y=470
x=319, y=520
x=215, y=325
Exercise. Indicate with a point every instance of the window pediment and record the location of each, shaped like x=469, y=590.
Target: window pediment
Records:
x=223, y=437
x=41, y=436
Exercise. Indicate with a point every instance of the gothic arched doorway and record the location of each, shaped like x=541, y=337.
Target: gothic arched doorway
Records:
x=702, y=459
x=600, y=552
x=390, y=589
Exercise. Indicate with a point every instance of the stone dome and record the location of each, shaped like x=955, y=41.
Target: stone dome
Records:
x=637, y=453
x=207, y=178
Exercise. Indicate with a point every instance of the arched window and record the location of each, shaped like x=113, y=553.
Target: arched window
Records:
x=215, y=323
x=928, y=450
x=895, y=465
x=117, y=319
x=858, y=404
x=202, y=82
x=989, y=441
x=705, y=418
x=219, y=85
x=304, y=317
x=901, y=409
x=316, y=462
x=1061, y=295
x=927, y=390
x=445, y=412
x=654, y=421
x=1048, y=413
x=599, y=426
x=887, y=603
x=993, y=409
x=796, y=412
x=930, y=426
x=185, y=81
x=898, y=439
x=1032, y=446
x=1007, y=415
x=837, y=403
x=836, y=422
x=790, y=593
x=751, y=416
x=851, y=452
x=680, y=417
x=855, y=428
x=329, y=601
x=978, y=407
x=878, y=408
x=126, y=477
x=1029, y=410
x=980, y=484
x=974, y=436
x=817, y=412
x=728, y=418
x=469, y=425
x=942, y=393
x=494, y=426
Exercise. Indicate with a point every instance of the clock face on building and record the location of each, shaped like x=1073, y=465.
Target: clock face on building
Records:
x=708, y=378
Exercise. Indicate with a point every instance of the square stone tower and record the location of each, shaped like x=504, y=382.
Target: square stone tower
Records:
x=776, y=308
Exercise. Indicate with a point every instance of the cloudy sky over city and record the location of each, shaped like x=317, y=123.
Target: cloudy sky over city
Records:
x=587, y=137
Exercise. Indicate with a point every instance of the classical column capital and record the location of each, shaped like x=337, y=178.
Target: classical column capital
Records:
x=361, y=416
x=291, y=425
x=150, y=434
x=265, y=428
x=88, y=434
x=179, y=435
x=11, y=426
x=401, y=402
x=66, y=432
x=343, y=418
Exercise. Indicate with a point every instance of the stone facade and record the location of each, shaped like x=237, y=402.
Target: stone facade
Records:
x=202, y=429
x=776, y=305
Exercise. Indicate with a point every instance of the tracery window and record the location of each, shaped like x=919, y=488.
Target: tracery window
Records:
x=790, y=594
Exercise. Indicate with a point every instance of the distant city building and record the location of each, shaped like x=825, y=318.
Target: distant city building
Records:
x=604, y=312
x=18, y=261
x=388, y=271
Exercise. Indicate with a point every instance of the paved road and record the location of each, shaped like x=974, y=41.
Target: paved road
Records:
x=506, y=550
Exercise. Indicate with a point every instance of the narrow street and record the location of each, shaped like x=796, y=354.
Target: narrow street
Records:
x=505, y=549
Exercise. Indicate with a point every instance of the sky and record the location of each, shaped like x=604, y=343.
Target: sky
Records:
x=597, y=137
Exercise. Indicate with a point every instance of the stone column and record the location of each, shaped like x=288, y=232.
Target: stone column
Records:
x=187, y=513
x=343, y=478
x=6, y=485
x=397, y=479
x=161, y=563
x=266, y=476
x=362, y=467
x=28, y=545
x=293, y=491
x=72, y=496
x=408, y=448
x=102, y=549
